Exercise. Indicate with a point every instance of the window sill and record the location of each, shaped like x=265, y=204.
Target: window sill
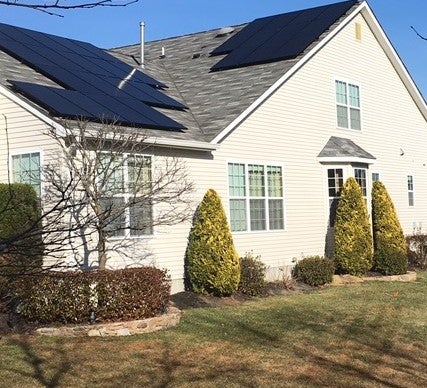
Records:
x=349, y=129
x=252, y=232
x=119, y=238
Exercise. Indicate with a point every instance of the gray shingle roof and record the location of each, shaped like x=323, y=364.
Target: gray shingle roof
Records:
x=339, y=147
x=214, y=99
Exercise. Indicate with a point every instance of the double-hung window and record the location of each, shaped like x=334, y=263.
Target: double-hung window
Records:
x=256, y=197
x=26, y=169
x=360, y=176
x=335, y=184
x=348, y=105
x=125, y=185
x=411, y=200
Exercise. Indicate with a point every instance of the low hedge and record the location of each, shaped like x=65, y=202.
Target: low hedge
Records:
x=252, y=275
x=69, y=297
x=314, y=270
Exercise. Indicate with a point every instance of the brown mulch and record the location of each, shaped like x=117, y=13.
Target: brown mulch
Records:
x=189, y=300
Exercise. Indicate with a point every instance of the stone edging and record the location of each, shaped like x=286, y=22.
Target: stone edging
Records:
x=113, y=329
x=338, y=280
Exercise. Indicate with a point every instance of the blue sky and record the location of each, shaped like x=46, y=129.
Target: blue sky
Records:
x=112, y=27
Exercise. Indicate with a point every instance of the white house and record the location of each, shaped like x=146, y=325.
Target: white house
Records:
x=274, y=115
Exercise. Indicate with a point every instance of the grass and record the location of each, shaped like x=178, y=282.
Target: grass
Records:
x=368, y=335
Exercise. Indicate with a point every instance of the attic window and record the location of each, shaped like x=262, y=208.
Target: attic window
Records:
x=358, y=28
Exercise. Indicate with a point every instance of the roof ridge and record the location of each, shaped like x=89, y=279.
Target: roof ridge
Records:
x=177, y=36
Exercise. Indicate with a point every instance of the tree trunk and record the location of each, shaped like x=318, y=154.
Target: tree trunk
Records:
x=102, y=254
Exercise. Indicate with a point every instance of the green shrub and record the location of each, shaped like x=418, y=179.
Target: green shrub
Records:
x=252, y=275
x=68, y=297
x=314, y=270
x=212, y=263
x=390, y=254
x=20, y=226
x=353, y=239
x=21, y=246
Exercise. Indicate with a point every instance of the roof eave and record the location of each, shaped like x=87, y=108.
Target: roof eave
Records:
x=345, y=159
x=181, y=144
x=32, y=109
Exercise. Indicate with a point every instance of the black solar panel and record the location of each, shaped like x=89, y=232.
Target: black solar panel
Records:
x=96, y=83
x=73, y=104
x=278, y=37
x=241, y=37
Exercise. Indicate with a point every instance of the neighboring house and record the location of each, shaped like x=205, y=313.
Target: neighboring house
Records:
x=274, y=115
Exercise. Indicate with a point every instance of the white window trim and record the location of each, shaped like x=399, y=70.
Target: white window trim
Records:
x=348, y=81
x=23, y=151
x=264, y=163
x=127, y=235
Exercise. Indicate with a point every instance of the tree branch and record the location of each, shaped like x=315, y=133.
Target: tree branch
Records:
x=49, y=5
x=419, y=35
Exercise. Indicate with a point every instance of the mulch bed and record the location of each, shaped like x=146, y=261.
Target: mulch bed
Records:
x=189, y=300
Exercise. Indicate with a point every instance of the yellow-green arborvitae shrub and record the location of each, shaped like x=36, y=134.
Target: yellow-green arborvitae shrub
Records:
x=390, y=256
x=353, y=238
x=212, y=263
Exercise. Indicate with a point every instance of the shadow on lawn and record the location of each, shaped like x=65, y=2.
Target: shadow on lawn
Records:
x=341, y=348
x=36, y=366
x=172, y=366
x=359, y=362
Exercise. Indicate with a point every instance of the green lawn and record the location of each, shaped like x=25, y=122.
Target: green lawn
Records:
x=368, y=335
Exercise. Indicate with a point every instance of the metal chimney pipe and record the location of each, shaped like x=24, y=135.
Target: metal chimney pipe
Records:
x=142, y=30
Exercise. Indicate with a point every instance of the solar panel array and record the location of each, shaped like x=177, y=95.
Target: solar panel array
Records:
x=97, y=86
x=278, y=37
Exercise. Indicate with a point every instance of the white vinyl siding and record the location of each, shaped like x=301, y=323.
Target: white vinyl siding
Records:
x=348, y=105
x=26, y=169
x=256, y=197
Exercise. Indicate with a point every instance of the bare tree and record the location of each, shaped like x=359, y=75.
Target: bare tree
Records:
x=117, y=191
x=50, y=6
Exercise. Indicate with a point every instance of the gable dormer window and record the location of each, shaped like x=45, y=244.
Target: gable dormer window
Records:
x=348, y=105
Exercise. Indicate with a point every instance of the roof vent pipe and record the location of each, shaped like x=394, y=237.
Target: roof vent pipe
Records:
x=142, y=30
